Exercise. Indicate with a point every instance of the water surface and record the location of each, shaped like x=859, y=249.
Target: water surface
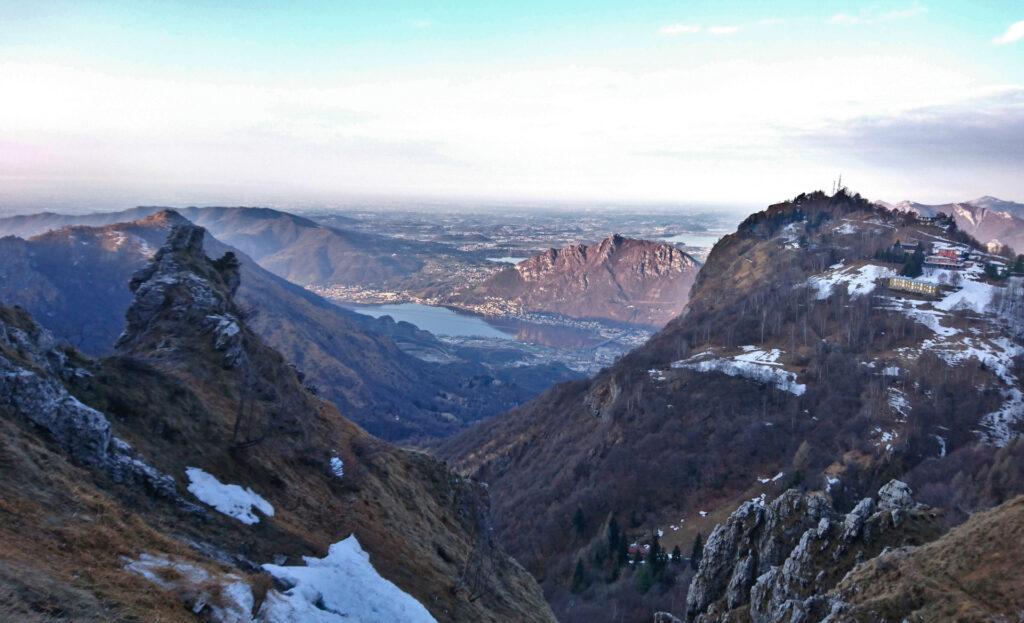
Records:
x=437, y=320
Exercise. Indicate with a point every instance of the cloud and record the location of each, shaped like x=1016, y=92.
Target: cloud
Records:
x=673, y=30
x=1014, y=33
x=724, y=30
x=421, y=24
x=982, y=132
x=874, y=17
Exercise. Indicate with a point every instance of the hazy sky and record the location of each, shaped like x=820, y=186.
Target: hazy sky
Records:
x=111, y=103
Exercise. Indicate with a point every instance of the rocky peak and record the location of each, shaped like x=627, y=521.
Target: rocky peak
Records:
x=179, y=292
x=777, y=560
x=165, y=218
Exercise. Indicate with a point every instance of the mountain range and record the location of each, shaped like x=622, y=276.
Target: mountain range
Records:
x=987, y=219
x=619, y=279
x=829, y=430
x=290, y=246
x=73, y=280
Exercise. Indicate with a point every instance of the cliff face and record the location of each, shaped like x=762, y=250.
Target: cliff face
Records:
x=620, y=279
x=777, y=562
x=176, y=471
x=888, y=559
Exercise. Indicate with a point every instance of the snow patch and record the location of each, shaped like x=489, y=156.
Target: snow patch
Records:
x=341, y=587
x=232, y=500
x=227, y=597
x=757, y=365
x=859, y=280
x=337, y=466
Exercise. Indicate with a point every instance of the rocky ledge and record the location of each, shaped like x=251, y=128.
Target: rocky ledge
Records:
x=32, y=369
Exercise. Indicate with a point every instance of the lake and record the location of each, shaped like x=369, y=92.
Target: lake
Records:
x=506, y=260
x=702, y=239
x=437, y=320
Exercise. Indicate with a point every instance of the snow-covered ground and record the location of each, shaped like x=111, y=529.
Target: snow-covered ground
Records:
x=341, y=587
x=859, y=280
x=226, y=597
x=754, y=364
x=232, y=500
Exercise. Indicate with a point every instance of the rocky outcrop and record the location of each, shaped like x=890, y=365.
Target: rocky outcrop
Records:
x=756, y=537
x=777, y=562
x=32, y=367
x=180, y=285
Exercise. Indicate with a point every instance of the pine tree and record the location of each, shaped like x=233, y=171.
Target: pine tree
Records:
x=579, y=522
x=677, y=555
x=614, y=534
x=644, y=580
x=579, y=577
x=697, y=552
x=914, y=265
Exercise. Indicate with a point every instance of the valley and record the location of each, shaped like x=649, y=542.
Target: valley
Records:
x=497, y=312
x=831, y=355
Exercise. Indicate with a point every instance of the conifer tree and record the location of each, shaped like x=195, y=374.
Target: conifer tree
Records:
x=697, y=552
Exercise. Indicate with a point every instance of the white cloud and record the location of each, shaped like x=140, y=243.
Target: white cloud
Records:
x=679, y=29
x=873, y=17
x=1014, y=33
x=724, y=30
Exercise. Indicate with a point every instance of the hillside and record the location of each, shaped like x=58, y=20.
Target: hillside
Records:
x=619, y=279
x=119, y=498
x=794, y=365
x=73, y=280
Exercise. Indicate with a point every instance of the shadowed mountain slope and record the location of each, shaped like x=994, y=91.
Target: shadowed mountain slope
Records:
x=117, y=497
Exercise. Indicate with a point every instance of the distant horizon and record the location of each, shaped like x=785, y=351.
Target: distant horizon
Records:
x=422, y=203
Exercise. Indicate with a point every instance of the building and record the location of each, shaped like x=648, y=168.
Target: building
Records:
x=941, y=261
x=906, y=284
x=952, y=254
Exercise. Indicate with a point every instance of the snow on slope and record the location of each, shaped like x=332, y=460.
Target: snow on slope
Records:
x=341, y=587
x=232, y=500
x=225, y=597
x=859, y=280
x=754, y=364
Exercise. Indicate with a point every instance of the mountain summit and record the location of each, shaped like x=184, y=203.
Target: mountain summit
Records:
x=619, y=279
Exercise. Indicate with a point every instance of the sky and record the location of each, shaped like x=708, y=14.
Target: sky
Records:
x=113, y=104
